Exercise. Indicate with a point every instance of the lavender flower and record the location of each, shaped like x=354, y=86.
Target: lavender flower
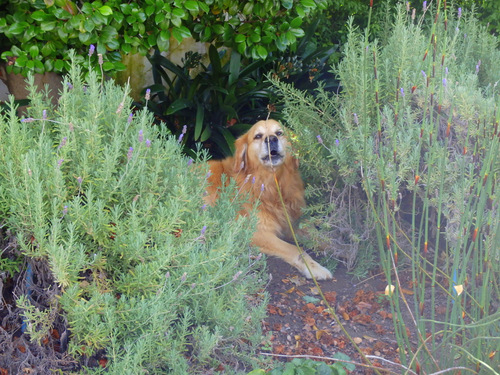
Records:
x=424, y=74
x=79, y=180
x=167, y=275
x=148, y=94
x=184, y=277
x=190, y=161
x=101, y=60
x=148, y=143
x=65, y=210
x=180, y=138
x=478, y=66
x=70, y=86
x=446, y=71
x=91, y=50
x=203, y=230
x=63, y=143
x=209, y=173
x=337, y=142
x=253, y=180
x=130, y=117
x=402, y=92
x=129, y=153
x=444, y=82
x=140, y=138
x=262, y=187
x=425, y=6
x=204, y=207
x=44, y=114
x=320, y=140
x=236, y=275
x=29, y=119
x=193, y=285
x=356, y=120
x=459, y=13
x=59, y=163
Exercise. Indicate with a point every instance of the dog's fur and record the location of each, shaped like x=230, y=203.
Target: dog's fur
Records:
x=263, y=155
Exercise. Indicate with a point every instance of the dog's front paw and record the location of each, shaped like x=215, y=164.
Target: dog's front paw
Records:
x=315, y=269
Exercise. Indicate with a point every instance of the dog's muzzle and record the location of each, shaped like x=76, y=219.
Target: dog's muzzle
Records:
x=272, y=150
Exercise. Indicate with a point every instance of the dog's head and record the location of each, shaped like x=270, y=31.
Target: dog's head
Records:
x=263, y=145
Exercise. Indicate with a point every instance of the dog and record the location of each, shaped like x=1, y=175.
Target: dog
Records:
x=263, y=159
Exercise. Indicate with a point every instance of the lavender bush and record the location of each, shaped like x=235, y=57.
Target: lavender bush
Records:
x=408, y=160
x=109, y=216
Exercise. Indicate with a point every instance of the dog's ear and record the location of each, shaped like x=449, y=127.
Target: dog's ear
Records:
x=240, y=154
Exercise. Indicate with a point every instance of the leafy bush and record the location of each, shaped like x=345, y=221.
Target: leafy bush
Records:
x=410, y=152
x=39, y=34
x=110, y=217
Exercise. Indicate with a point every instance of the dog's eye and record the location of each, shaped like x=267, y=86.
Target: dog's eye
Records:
x=279, y=133
x=258, y=136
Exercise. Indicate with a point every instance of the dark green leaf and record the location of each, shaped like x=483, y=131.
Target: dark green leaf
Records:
x=106, y=10
x=17, y=28
x=178, y=105
x=192, y=6
x=200, y=116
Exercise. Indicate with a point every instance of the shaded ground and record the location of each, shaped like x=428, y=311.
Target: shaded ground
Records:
x=299, y=322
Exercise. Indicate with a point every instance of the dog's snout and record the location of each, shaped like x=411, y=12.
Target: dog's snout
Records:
x=272, y=140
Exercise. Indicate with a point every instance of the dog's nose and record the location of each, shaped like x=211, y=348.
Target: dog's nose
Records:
x=272, y=140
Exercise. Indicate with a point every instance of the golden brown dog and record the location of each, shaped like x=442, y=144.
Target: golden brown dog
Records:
x=263, y=154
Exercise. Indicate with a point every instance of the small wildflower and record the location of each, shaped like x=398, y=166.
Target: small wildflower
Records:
x=203, y=230
x=262, y=187
x=320, y=140
x=190, y=161
x=148, y=143
x=101, y=60
x=65, y=210
x=407, y=6
x=193, y=285
x=209, y=173
x=425, y=6
x=253, y=180
x=91, y=50
x=63, y=143
x=424, y=74
x=59, y=162
x=129, y=153
x=71, y=127
x=478, y=66
x=29, y=119
x=167, y=275
x=184, y=129
x=140, y=138
x=236, y=275
x=84, y=89
x=70, y=86
x=130, y=117
x=446, y=71
x=204, y=207
x=148, y=94
x=402, y=92
x=184, y=277
x=444, y=82
x=356, y=120
x=79, y=180
x=337, y=142
x=413, y=13
x=459, y=13
x=180, y=138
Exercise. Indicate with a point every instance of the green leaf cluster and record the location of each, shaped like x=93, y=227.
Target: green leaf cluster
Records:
x=306, y=366
x=143, y=269
x=39, y=34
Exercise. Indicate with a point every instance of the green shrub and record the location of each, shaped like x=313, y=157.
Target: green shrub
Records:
x=408, y=158
x=138, y=266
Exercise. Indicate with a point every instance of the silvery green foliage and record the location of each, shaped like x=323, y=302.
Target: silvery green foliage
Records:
x=143, y=268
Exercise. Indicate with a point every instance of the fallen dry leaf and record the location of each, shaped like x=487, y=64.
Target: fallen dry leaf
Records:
x=331, y=297
x=357, y=340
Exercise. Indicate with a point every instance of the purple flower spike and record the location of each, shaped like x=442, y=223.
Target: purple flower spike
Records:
x=180, y=138
x=59, y=162
x=65, y=210
x=444, y=82
x=320, y=140
x=29, y=119
x=141, y=136
x=80, y=180
x=203, y=230
x=148, y=94
x=91, y=50
x=130, y=117
x=190, y=161
x=459, y=13
x=129, y=153
x=63, y=143
x=402, y=92
x=148, y=143
x=425, y=6
x=337, y=142
x=262, y=187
